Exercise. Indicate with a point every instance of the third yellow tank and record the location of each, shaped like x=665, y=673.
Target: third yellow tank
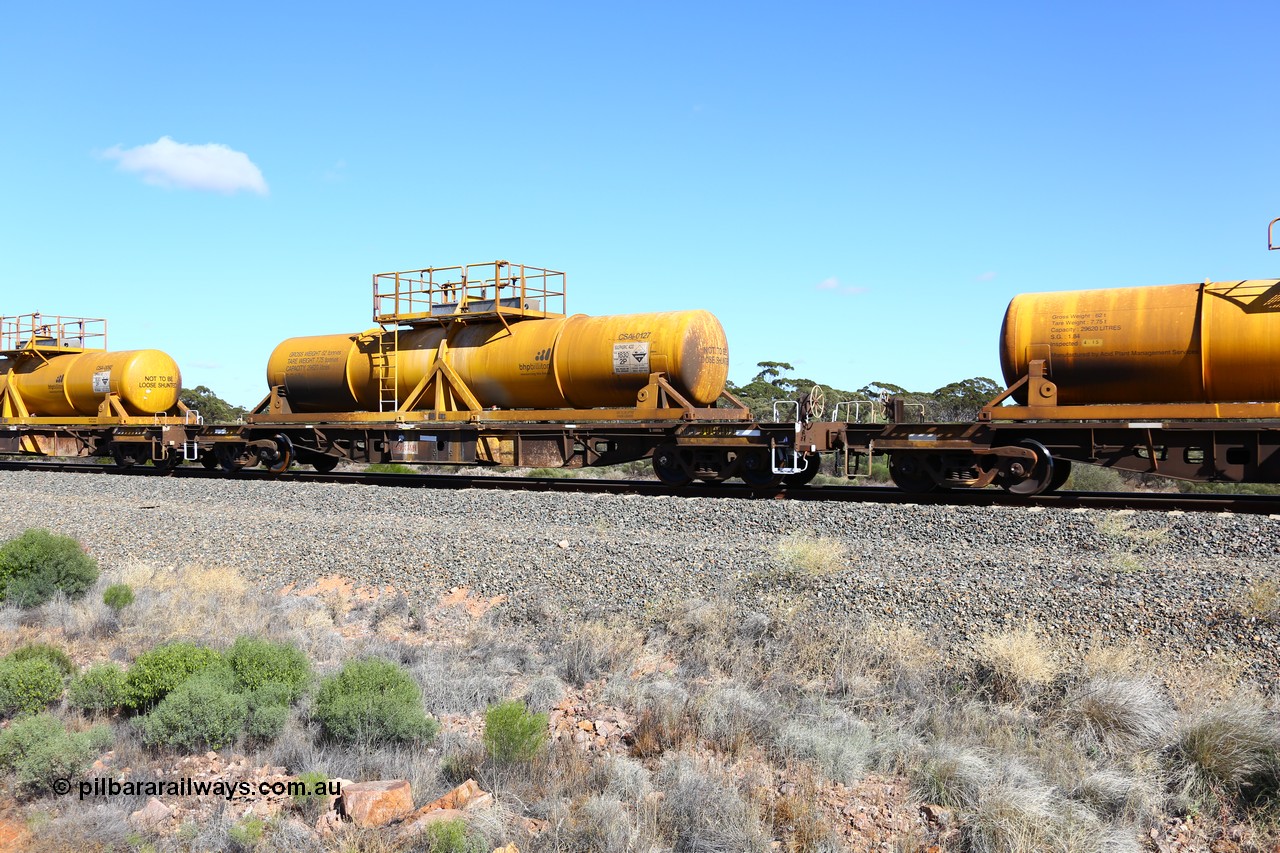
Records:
x=1217, y=342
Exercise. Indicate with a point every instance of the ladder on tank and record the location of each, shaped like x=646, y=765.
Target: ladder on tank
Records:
x=384, y=364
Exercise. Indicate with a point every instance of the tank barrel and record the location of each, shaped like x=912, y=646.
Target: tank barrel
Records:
x=554, y=363
x=1184, y=343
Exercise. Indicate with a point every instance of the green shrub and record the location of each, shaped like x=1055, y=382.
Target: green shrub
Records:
x=28, y=686
x=100, y=688
x=450, y=836
x=388, y=468
x=513, y=733
x=246, y=834
x=44, y=651
x=162, y=669
x=201, y=713
x=372, y=701
x=315, y=796
x=38, y=564
x=118, y=596
x=38, y=751
x=268, y=711
x=257, y=663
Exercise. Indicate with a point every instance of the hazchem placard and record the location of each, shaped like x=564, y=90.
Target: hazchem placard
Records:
x=631, y=357
x=102, y=382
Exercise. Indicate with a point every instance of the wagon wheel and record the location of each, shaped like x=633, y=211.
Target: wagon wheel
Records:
x=757, y=470
x=1039, y=478
x=1061, y=472
x=278, y=458
x=813, y=404
x=324, y=463
x=667, y=466
x=233, y=457
x=123, y=458
x=909, y=474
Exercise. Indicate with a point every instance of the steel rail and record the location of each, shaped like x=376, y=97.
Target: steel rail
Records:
x=1155, y=501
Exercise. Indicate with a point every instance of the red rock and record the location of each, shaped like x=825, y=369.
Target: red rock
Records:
x=533, y=825
x=420, y=822
x=484, y=801
x=328, y=823
x=152, y=813
x=377, y=803
x=458, y=798
x=13, y=836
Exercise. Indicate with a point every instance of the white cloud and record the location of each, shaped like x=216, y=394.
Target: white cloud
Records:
x=987, y=276
x=336, y=172
x=213, y=167
x=833, y=283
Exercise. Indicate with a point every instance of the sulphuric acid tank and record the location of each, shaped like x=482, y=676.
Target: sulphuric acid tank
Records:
x=1217, y=342
x=567, y=362
x=147, y=382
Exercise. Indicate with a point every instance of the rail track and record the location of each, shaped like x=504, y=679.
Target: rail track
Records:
x=1156, y=501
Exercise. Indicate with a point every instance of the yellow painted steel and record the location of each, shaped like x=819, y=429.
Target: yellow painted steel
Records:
x=566, y=362
x=146, y=381
x=1187, y=343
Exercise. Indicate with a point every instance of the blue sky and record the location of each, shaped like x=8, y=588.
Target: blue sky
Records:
x=855, y=188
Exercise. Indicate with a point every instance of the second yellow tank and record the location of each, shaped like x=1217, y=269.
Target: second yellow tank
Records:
x=566, y=362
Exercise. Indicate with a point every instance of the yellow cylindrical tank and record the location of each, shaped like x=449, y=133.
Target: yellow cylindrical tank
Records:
x=147, y=382
x=1185, y=343
x=567, y=362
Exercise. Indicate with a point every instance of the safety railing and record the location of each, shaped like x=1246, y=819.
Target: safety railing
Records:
x=51, y=332
x=513, y=291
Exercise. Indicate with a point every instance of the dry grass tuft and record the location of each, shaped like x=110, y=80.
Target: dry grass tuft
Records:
x=703, y=810
x=1016, y=663
x=1127, y=541
x=1119, y=713
x=176, y=603
x=805, y=555
x=1225, y=752
x=664, y=722
x=1009, y=818
x=837, y=749
x=1119, y=526
x=1213, y=678
x=1107, y=659
x=593, y=649
x=799, y=823
x=733, y=718
x=702, y=636
x=1261, y=601
x=600, y=824
x=1119, y=796
x=899, y=654
x=951, y=777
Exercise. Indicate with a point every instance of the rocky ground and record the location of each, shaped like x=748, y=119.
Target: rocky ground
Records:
x=1177, y=584
x=821, y=661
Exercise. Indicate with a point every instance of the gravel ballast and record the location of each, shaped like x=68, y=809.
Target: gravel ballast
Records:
x=1176, y=581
